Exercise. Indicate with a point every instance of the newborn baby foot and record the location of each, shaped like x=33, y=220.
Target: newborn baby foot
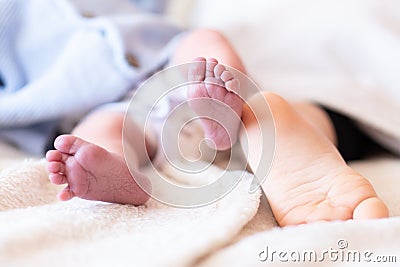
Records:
x=93, y=173
x=213, y=81
x=309, y=181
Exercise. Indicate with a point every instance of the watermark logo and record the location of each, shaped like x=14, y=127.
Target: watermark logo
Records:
x=162, y=111
x=339, y=253
x=342, y=244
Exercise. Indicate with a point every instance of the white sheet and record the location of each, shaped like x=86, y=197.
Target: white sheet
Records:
x=381, y=237
x=38, y=230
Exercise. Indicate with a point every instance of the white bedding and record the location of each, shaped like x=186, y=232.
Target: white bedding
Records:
x=381, y=237
x=38, y=230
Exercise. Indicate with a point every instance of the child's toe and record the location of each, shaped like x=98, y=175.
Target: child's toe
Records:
x=210, y=65
x=55, y=167
x=197, y=69
x=57, y=178
x=218, y=70
x=233, y=86
x=65, y=194
x=227, y=76
x=53, y=155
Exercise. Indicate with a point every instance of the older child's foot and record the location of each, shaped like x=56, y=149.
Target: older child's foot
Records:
x=213, y=81
x=309, y=181
x=92, y=173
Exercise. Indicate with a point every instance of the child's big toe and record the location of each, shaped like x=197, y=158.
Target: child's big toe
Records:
x=197, y=69
x=53, y=155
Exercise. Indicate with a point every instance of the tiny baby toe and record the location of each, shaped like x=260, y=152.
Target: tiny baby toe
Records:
x=68, y=144
x=196, y=72
x=218, y=70
x=57, y=178
x=64, y=143
x=55, y=167
x=65, y=194
x=211, y=59
x=210, y=65
x=226, y=76
x=233, y=86
x=53, y=155
x=199, y=59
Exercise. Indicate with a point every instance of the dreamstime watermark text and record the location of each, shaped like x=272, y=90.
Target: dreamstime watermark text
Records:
x=340, y=253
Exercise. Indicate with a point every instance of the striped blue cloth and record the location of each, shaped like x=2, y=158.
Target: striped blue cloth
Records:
x=56, y=64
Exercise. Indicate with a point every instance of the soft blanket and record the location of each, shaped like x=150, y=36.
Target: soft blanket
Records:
x=37, y=230
x=373, y=240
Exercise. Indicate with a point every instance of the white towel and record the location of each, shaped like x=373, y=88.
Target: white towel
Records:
x=37, y=230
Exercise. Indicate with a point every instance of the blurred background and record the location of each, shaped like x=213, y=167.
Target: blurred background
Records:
x=309, y=49
x=338, y=41
x=343, y=54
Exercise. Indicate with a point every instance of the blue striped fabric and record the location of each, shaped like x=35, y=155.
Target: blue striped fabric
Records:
x=54, y=63
x=10, y=68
